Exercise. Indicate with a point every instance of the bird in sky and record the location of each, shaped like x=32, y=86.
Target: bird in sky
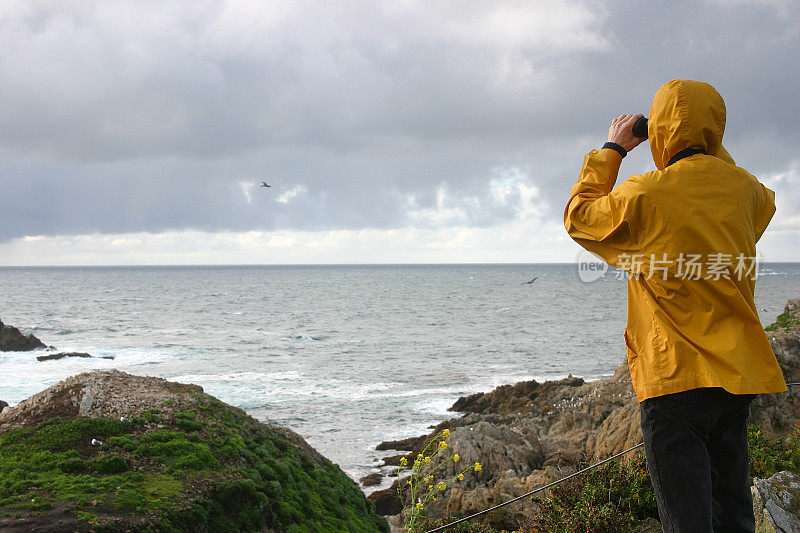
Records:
x=265, y=184
x=529, y=282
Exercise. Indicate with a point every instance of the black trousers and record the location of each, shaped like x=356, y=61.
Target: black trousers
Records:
x=698, y=462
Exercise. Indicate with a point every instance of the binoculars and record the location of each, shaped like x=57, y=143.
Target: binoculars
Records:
x=640, y=127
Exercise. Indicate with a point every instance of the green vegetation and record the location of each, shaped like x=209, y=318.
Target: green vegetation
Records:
x=770, y=456
x=212, y=469
x=785, y=321
x=609, y=498
x=616, y=495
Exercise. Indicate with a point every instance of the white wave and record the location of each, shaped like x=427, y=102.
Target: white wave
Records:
x=437, y=406
x=243, y=377
x=24, y=375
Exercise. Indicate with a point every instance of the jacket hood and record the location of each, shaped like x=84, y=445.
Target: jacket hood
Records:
x=686, y=114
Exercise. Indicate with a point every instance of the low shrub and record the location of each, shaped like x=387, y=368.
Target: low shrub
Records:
x=770, y=456
x=609, y=498
x=463, y=527
x=72, y=465
x=109, y=464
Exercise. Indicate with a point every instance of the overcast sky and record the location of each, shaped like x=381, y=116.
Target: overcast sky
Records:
x=399, y=131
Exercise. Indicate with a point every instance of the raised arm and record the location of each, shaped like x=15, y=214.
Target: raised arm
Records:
x=599, y=217
x=766, y=212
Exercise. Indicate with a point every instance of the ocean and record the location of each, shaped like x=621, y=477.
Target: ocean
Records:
x=347, y=356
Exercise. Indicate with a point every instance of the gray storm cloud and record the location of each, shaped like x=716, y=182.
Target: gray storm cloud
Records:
x=126, y=116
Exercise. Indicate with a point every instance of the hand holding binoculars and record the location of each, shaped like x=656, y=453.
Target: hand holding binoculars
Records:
x=640, y=127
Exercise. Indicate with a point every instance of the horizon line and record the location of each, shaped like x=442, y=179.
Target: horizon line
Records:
x=184, y=265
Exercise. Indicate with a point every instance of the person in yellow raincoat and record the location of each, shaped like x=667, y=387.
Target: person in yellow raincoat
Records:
x=685, y=235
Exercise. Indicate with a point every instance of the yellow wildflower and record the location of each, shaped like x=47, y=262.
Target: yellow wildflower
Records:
x=461, y=477
x=420, y=506
x=442, y=485
x=443, y=445
x=456, y=458
x=428, y=460
x=446, y=433
x=477, y=467
x=403, y=461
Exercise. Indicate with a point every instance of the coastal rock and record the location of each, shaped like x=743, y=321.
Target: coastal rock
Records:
x=506, y=487
x=163, y=456
x=11, y=340
x=62, y=355
x=518, y=455
x=386, y=502
x=527, y=434
x=111, y=394
x=370, y=480
x=776, y=503
x=405, y=444
x=3, y=405
x=509, y=451
x=534, y=439
x=511, y=398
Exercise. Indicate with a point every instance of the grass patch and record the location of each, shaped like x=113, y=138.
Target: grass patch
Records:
x=86, y=516
x=785, y=321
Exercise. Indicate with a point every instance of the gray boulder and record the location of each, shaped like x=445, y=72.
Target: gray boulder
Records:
x=776, y=503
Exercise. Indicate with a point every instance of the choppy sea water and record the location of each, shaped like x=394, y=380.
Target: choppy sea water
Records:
x=347, y=356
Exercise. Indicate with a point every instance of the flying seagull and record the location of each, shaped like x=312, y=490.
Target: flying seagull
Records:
x=265, y=184
x=529, y=282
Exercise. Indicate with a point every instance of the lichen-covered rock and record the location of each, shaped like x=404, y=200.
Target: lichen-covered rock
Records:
x=776, y=503
x=115, y=452
x=11, y=340
x=109, y=394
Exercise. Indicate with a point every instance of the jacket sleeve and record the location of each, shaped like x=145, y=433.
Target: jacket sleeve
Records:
x=601, y=218
x=764, y=215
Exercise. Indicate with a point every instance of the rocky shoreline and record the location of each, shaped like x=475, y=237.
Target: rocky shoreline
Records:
x=528, y=434
x=524, y=435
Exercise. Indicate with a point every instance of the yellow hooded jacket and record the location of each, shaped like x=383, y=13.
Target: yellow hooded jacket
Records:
x=687, y=233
